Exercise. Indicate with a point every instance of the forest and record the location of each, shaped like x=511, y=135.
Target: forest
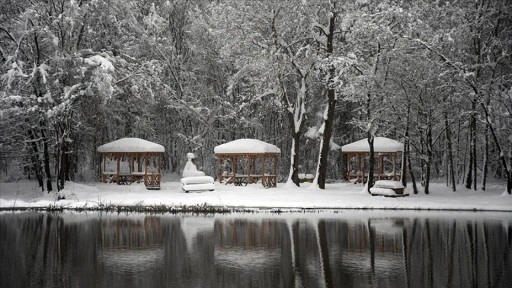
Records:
x=308, y=76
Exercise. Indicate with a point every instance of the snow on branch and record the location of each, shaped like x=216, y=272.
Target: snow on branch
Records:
x=445, y=59
x=101, y=62
x=323, y=29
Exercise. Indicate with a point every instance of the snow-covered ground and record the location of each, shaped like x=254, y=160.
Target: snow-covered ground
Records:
x=336, y=195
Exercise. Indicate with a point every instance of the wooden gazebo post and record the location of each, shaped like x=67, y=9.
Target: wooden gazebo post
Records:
x=103, y=158
x=249, y=179
x=350, y=158
x=220, y=176
x=275, y=170
x=361, y=168
x=118, y=168
x=394, y=166
x=160, y=166
x=263, y=176
x=233, y=165
x=146, y=160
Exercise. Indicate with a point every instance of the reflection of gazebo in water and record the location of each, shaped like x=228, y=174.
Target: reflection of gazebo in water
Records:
x=127, y=160
x=252, y=154
x=386, y=155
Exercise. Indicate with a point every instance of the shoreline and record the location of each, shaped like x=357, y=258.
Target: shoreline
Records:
x=163, y=209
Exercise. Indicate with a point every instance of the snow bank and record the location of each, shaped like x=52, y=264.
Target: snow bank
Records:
x=343, y=195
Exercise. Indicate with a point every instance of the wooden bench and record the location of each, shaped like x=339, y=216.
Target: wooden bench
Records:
x=388, y=188
x=197, y=183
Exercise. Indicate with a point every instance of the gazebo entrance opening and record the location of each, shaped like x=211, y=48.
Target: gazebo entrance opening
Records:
x=388, y=160
x=129, y=160
x=247, y=161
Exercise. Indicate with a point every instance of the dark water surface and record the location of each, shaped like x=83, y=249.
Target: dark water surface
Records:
x=344, y=249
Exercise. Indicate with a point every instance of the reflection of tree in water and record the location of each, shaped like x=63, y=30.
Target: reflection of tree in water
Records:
x=151, y=251
x=458, y=253
x=40, y=249
x=131, y=250
x=308, y=260
x=252, y=253
x=131, y=232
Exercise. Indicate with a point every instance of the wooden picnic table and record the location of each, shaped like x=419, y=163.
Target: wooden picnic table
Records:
x=125, y=179
x=243, y=179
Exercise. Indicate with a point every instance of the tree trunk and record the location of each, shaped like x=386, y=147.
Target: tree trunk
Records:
x=413, y=179
x=475, y=158
x=64, y=166
x=371, y=140
x=35, y=159
x=486, y=148
x=296, y=124
x=486, y=157
x=503, y=161
x=294, y=159
x=471, y=176
x=451, y=170
x=404, y=165
x=324, y=152
x=429, y=153
x=405, y=155
x=46, y=160
x=329, y=113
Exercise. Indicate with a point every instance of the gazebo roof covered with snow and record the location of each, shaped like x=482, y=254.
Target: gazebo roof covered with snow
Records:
x=127, y=160
x=247, y=152
x=128, y=145
x=386, y=151
x=380, y=144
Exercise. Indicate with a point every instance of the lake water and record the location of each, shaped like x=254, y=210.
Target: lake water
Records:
x=315, y=249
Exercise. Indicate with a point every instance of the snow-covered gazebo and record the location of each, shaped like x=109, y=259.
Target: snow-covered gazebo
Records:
x=131, y=159
x=250, y=152
x=386, y=153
